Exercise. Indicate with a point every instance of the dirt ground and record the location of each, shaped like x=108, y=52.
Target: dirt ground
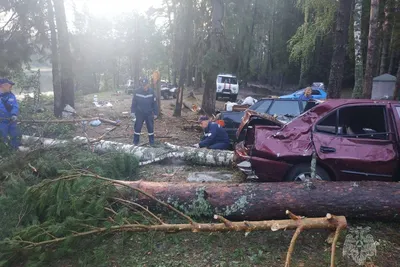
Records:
x=175, y=130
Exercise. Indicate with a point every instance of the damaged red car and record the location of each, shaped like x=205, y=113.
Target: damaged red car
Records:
x=352, y=140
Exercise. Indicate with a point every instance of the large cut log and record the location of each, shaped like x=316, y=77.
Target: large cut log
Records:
x=146, y=155
x=265, y=201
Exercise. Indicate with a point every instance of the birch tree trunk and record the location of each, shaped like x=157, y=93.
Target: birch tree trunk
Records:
x=55, y=64
x=387, y=32
x=372, y=41
x=67, y=79
x=359, y=65
x=145, y=155
x=339, y=49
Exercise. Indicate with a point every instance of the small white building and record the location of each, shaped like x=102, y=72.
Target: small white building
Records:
x=383, y=87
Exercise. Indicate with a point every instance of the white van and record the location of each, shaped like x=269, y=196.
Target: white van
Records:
x=227, y=86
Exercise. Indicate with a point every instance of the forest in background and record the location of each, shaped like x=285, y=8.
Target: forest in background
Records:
x=280, y=43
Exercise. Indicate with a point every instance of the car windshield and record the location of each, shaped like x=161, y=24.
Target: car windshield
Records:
x=261, y=106
x=228, y=80
x=290, y=108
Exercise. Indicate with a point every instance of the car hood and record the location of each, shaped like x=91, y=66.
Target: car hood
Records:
x=250, y=114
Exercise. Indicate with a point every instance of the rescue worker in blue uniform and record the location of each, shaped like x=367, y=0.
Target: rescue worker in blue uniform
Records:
x=215, y=137
x=144, y=109
x=9, y=111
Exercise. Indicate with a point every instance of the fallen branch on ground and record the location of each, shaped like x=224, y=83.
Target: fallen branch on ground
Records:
x=146, y=155
x=156, y=224
x=115, y=123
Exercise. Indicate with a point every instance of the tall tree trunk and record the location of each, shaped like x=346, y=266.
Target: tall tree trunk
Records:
x=369, y=68
x=359, y=65
x=67, y=79
x=188, y=22
x=397, y=90
x=387, y=32
x=253, y=23
x=136, y=54
x=208, y=105
x=58, y=105
x=339, y=48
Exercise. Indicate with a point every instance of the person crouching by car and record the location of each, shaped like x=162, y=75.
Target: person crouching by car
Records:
x=215, y=137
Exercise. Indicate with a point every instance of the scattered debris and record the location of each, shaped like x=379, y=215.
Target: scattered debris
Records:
x=249, y=101
x=102, y=104
x=68, y=112
x=95, y=123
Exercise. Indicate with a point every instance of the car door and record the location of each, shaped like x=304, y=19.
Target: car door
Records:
x=356, y=143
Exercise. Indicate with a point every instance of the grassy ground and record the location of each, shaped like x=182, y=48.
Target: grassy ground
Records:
x=233, y=249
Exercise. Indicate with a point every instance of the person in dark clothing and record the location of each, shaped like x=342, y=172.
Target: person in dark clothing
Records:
x=9, y=110
x=215, y=137
x=144, y=109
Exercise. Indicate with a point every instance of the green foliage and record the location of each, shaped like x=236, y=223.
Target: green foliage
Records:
x=44, y=196
x=318, y=21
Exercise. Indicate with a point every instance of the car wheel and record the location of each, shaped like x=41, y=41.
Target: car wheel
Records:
x=302, y=173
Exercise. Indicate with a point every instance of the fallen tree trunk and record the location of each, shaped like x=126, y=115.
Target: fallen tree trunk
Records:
x=264, y=201
x=146, y=155
x=115, y=123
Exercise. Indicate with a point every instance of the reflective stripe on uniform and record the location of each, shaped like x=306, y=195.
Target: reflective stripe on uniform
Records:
x=207, y=134
x=137, y=133
x=151, y=133
x=144, y=96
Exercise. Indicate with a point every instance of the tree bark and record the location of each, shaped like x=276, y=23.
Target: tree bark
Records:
x=339, y=49
x=359, y=65
x=58, y=105
x=372, y=38
x=397, y=90
x=188, y=22
x=264, y=201
x=387, y=32
x=145, y=155
x=67, y=79
x=208, y=104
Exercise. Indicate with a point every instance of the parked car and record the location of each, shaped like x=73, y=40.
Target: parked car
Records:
x=284, y=109
x=318, y=92
x=227, y=85
x=353, y=140
x=168, y=90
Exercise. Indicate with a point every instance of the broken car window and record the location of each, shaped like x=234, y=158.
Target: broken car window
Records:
x=364, y=121
x=356, y=121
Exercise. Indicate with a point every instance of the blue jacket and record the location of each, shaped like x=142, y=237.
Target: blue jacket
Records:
x=8, y=106
x=213, y=134
x=304, y=97
x=144, y=102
